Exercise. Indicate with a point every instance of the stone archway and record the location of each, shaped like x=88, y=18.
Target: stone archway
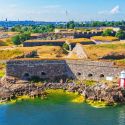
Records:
x=102, y=75
x=90, y=75
x=26, y=76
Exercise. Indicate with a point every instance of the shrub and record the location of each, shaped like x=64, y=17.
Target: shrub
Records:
x=31, y=54
x=120, y=34
x=65, y=48
x=19, y=39
x=108, y=32
x=16, y=40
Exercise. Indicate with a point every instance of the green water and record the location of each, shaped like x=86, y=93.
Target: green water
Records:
x=32, y=113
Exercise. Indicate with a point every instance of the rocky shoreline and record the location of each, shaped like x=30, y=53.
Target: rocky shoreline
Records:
x=11, y=88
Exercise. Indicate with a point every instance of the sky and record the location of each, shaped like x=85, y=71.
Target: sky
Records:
x=62, y=10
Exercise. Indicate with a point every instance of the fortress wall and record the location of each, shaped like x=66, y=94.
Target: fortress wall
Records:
x=55, y=36
x=61, y=69
x=31, y=44
x=87, y=34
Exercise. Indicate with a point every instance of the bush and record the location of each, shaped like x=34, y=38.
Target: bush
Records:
x=16, y=40
x=65, y=48
x=120, y=34
x=108, y=32
x=19, y=39
x=31, y=54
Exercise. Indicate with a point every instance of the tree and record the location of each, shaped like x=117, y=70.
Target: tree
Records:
x=66, y=48
x=120, y=34
x=19, y=39
x=71, y=25
x=108, y=32
x=16, y=40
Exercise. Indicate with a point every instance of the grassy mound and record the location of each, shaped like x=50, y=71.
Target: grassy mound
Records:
x=95, y=52
x=105, y=38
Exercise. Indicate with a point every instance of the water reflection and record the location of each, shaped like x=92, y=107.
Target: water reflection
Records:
x=121, y=116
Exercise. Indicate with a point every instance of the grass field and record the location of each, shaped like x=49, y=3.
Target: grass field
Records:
x=94, y=52
x=43, y=52
x=105, y=38
x=9, y=54
x=6, y=42
x=79, y=40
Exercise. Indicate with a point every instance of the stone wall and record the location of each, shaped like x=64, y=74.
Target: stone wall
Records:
x=54, y=36
x=61, y=69
x=31, y=44
x=87, y=34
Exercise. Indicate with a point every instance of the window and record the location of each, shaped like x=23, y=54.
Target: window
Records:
x=90, y=75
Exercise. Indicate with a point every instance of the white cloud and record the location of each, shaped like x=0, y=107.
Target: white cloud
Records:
x=114, y=10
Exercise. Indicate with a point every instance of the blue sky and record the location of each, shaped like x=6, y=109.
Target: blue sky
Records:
x=55, y=10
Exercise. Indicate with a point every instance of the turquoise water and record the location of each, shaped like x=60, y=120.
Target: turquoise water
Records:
x=31, y=113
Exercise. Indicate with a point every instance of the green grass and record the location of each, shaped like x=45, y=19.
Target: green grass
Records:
x=57, y=96
x=60, y=96
x=87, y=82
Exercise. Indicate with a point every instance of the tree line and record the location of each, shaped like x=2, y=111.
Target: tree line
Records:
x=119, y=34
x=33, y=28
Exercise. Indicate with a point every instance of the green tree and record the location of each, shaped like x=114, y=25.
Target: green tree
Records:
x=108, y=32
x=65, y=48
x=19, y=39
x=16, y=40
x=71, y=25
x=120, y=34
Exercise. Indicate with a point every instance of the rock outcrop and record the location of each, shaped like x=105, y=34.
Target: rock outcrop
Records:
x=98, y=92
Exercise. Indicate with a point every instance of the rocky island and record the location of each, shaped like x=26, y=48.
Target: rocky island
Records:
x=73, y=61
